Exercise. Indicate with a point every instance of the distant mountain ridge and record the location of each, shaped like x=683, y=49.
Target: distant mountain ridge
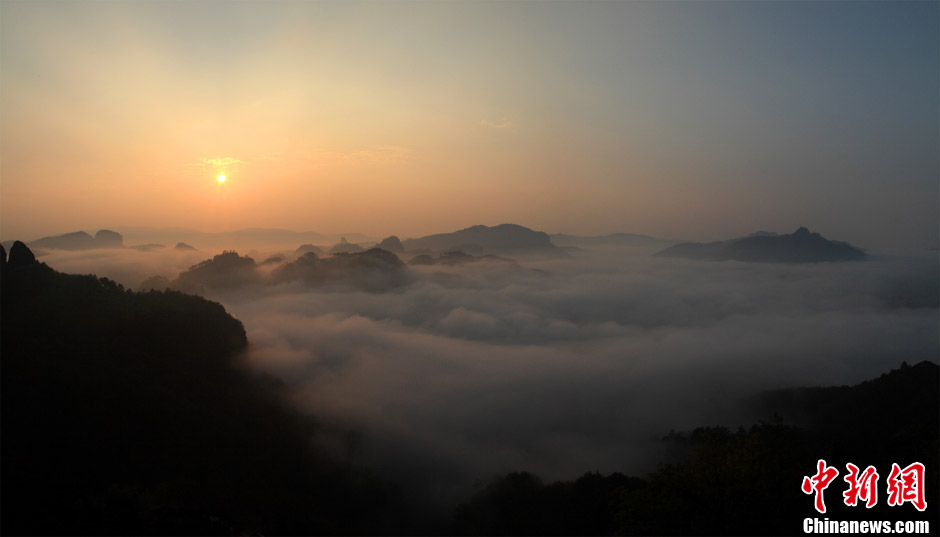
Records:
x=147, y=238
x=79, y=240
x=345, y=247
x=224, y=239
x=392, y=244
x=373, y=270
x=801, y=246
x=239, y=238
x=504, y=238
x=477, y=240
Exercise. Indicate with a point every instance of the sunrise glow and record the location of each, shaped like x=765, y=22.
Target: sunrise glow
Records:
x=359, y=267
x=600, y=117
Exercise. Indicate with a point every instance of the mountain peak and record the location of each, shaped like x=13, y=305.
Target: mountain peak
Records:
x=105, y=238
x=504, y=238
x=802, y=246
x=21, y=256
x=79, y=240
x=392, y=244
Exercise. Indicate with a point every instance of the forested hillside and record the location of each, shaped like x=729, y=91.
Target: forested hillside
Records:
x=128, y=413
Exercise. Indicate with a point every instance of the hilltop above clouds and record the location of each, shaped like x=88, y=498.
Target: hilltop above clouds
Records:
x=801, y=246
x=501, y=239
x=79, y=240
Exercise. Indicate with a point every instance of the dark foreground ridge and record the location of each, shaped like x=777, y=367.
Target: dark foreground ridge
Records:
x=801, y=246
x=743, y=482
x=128, y=413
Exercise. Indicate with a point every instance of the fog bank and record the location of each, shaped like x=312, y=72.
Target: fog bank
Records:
x=476, y=370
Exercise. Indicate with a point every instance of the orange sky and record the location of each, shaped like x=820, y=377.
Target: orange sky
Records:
x=414, y=118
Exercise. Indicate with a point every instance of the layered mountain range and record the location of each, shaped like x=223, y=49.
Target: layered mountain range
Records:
x=801, y=246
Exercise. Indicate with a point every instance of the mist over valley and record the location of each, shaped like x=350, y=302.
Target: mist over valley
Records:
x=469, y=268
x=438, y=369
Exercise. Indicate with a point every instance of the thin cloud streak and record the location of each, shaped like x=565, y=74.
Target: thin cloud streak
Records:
x=501, y=124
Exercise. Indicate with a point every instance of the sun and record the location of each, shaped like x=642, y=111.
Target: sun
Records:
x=221, y=178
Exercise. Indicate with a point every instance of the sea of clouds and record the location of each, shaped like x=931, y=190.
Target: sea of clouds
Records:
x=582, y=365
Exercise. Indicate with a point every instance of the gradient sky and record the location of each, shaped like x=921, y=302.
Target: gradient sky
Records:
x=702, y=120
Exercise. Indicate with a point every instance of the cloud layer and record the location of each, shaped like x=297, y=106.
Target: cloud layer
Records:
x=473, y=371
x=468, y=371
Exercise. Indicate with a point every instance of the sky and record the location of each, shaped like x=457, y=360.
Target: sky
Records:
x=700, y=121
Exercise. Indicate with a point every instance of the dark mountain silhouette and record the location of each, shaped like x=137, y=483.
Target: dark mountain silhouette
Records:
x=304, y=248
x=183, y=246
x=392, y=244
x=743, y=482
x=851, y=411
x=306, y=267
x=374, y=270
x=224, y=271
x=345, y=247
x=128, y=414
x=109, y=239
x=504, y=238
x=801, y=246
x=79, y=240
x=20, y=256
x=522, y=504
x=223, y=239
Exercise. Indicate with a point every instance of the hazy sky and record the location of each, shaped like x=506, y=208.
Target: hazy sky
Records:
x=697, y=120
